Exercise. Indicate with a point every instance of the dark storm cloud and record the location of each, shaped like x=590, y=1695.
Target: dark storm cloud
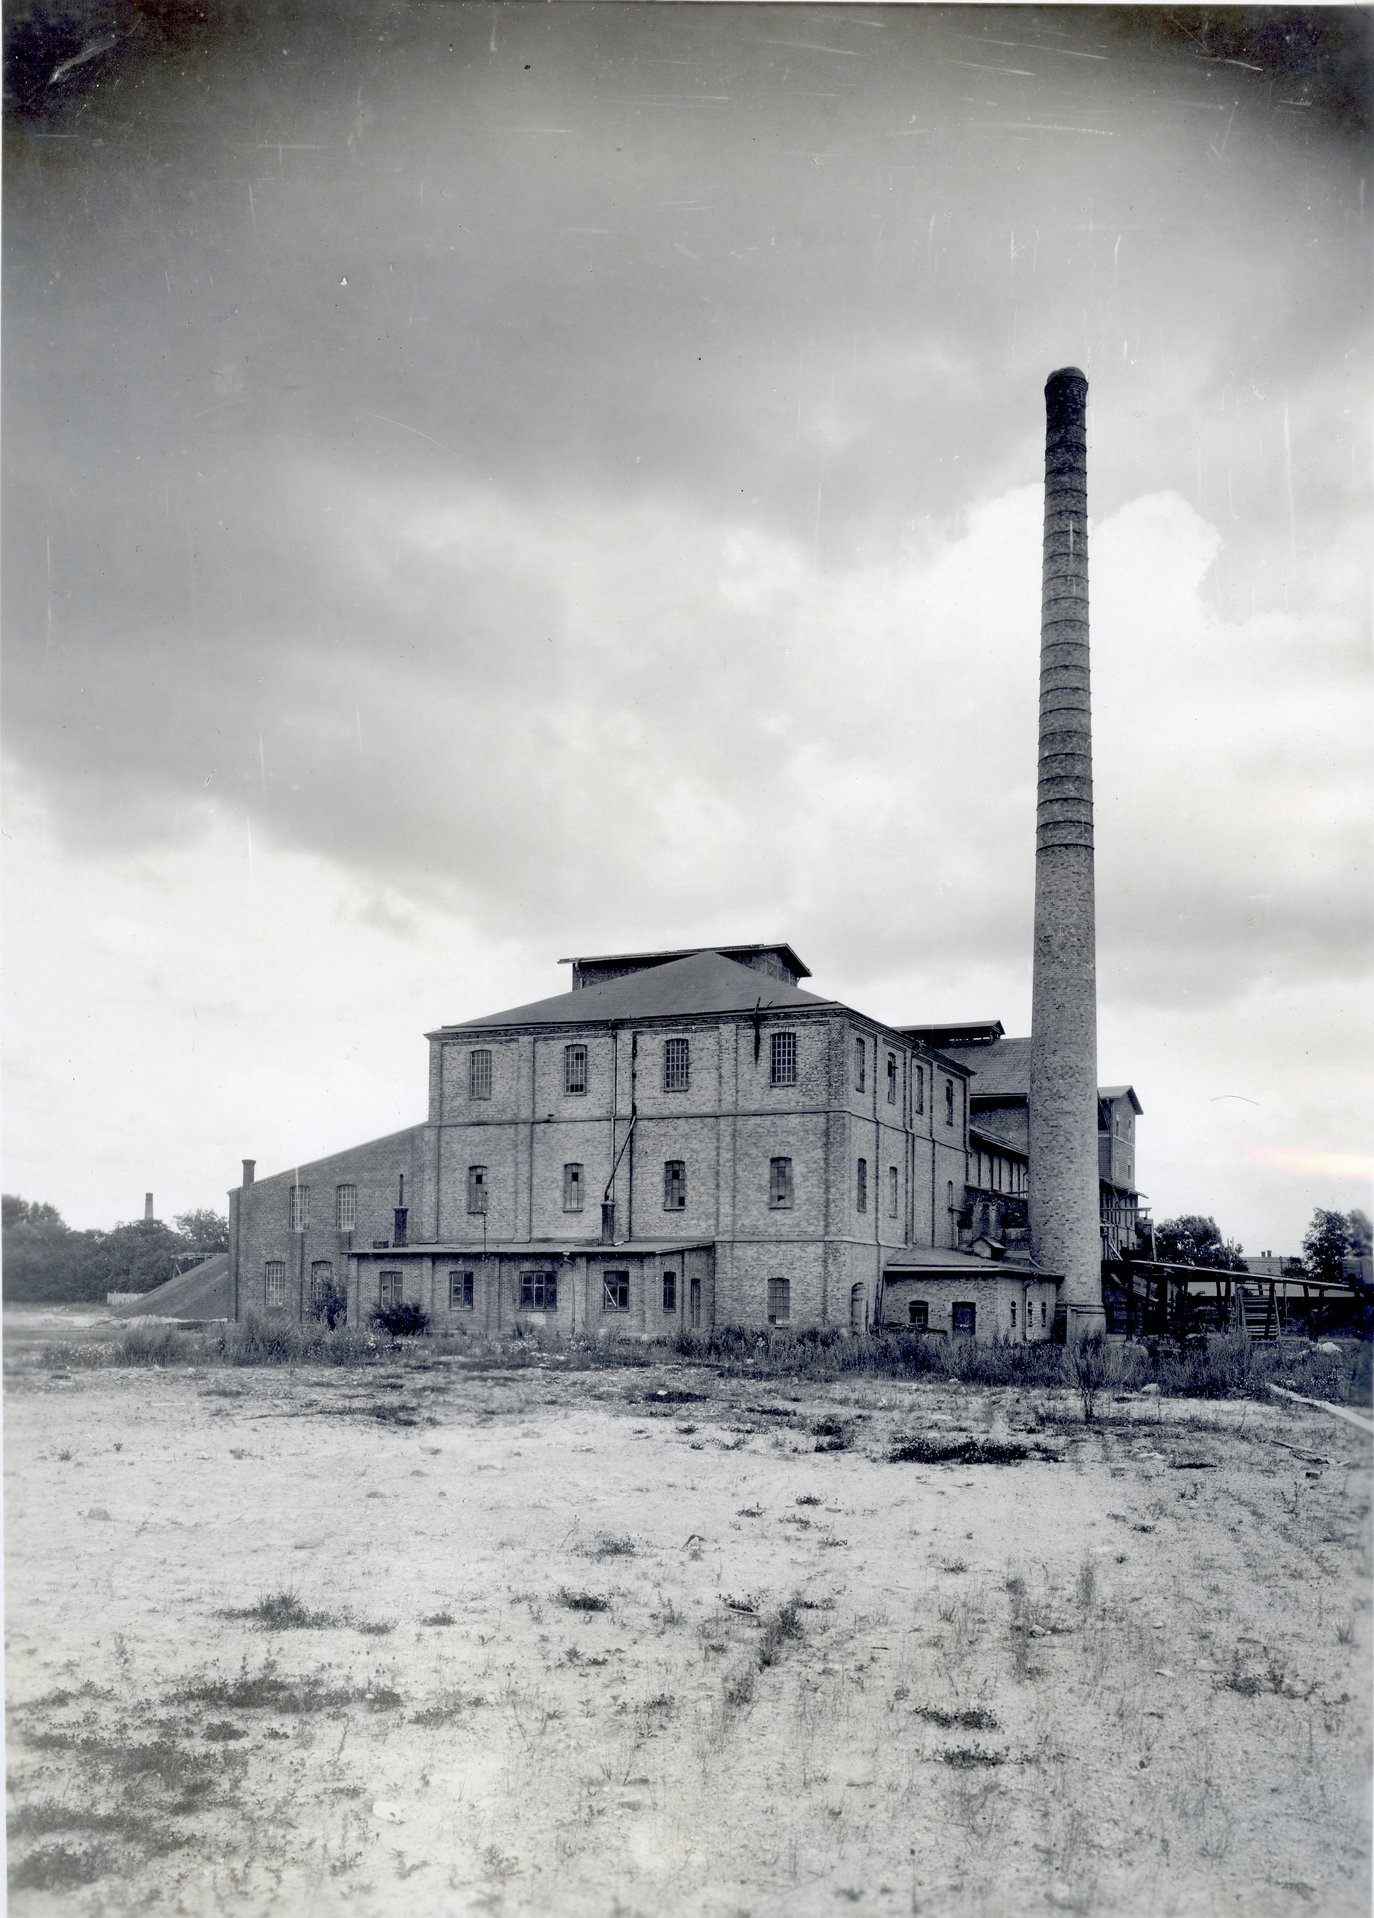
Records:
x=386, y=386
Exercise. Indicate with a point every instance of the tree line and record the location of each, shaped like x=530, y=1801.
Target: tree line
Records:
x=48, y=1261
x=1330, y=1239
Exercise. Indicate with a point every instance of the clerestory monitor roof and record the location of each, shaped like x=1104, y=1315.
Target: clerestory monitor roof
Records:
x=704, y=982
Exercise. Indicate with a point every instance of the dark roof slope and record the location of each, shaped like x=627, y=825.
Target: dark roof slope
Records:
x=640, y=961
x=702, y=983
x=1000, y=1071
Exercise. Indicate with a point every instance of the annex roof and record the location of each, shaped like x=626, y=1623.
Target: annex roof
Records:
x=703, y=982
x=966, y=1032
x=931, y=1261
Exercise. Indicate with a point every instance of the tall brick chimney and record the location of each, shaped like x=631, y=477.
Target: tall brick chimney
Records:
x=147, y=1207
x=1064, y=1206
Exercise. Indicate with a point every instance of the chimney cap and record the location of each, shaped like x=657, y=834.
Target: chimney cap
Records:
x=1063, y=374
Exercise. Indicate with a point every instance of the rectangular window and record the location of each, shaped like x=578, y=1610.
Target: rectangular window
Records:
x=918, y=1088
x=460, y=1291
x=783, y=1059
x=572, y=1188
x=677, y=1065
x=892, y=1078
x=300, y=1207
x=574, y=1068
x=479, y=1074
x=779, y=1301
x=477, y=1188
x=670, y=1291
x=539, y=1291
x=674, y=1185
x=388, y=1289
x=345, y=1207
x=892, y=1192
x=615, y=1292
x=1013, y=1315
x=861, y=1186
x=779, y=1183
x=918, y=1315
x=949, y=1102
x=321, y=1280
x=860, y=1065
x=274, y=1284
x=965, y=1321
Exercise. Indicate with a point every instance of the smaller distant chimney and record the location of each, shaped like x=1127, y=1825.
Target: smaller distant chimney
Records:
x=148, y=1207
x=248, y=1168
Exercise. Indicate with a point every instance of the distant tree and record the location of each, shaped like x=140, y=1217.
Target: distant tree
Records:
x=1196, y=1240
x=204, y=1231
x=1325, y=1244
x=132, y=1257
x=40, y=1250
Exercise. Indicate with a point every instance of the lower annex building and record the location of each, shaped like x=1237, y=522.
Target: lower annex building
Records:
x=682, y=1140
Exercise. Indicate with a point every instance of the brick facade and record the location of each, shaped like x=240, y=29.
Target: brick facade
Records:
x=724, y=1168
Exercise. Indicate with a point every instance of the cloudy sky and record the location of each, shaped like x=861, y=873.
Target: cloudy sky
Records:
x=485, y=483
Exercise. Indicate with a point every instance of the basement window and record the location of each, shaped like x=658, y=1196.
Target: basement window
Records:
x=670, y=1291
x=539, y=1291
x=779, y=1301
x=674, y=1185
x=274, y=1284
x=783, y=1059
x=779, y=1183
x=460, y=1291
x=388, y=1289
x=615, y=1292
x=574, y=1068
x=677, y=1063
x=479, y=1074
x=345, y=1207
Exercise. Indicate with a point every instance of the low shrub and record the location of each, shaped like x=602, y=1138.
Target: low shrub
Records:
x=402, y=1321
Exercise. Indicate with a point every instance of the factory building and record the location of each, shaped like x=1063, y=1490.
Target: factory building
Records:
x=693, y=1139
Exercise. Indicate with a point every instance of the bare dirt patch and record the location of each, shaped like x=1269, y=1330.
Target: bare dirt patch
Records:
x=1129, y=1677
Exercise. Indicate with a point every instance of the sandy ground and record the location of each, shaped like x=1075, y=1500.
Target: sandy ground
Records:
x=1131, y=1676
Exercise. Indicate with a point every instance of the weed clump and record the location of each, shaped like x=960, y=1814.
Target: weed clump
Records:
x=581, y=1601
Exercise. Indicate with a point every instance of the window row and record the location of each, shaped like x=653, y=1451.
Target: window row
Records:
x=964, y=1317
x=677, y=1066
x=780, y=1187
x=345, y=1207
x=674, y=1186
x=538, y=1290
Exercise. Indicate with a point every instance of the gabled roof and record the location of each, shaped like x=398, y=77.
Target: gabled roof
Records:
x=1121, y=1092
x=702, y=983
